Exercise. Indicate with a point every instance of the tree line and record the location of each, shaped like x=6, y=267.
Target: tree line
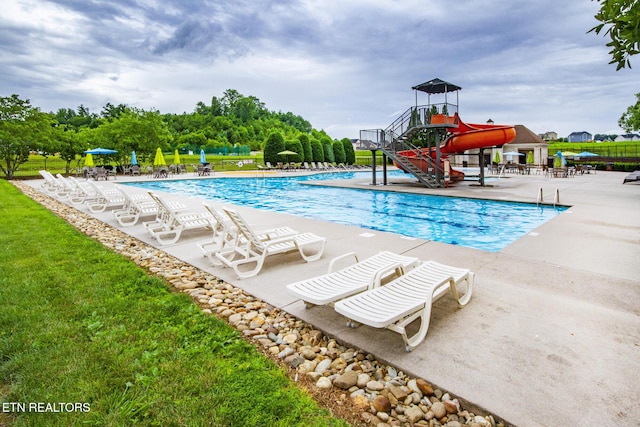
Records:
x=227, y=122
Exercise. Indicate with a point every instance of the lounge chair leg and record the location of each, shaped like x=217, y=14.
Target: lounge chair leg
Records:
x=464, y=300
x=160, y=236
x=412, y=342
x=127, y=220
x=242, y=274
x=314, y=255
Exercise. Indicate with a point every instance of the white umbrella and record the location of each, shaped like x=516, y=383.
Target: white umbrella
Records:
x=513, y=153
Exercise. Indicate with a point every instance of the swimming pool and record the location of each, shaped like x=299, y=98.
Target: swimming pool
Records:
x=481, y=224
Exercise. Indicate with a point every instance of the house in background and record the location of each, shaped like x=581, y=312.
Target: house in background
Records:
x=583, y=136
x=628, y=137
x=549, y=136
x=603, y=138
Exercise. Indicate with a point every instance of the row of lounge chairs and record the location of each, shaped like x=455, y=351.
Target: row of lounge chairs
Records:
x=309, y=166
x=386, y=290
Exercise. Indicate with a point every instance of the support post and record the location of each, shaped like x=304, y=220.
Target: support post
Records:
x=438, y=157
x=373, y=167
x=481, y=163
x=384, y=169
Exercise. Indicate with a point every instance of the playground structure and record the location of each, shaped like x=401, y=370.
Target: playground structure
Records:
x=421, y=139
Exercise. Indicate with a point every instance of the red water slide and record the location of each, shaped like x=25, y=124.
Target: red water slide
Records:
x=464, y=136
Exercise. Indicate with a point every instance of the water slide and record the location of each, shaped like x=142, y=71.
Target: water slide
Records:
x=464, y=136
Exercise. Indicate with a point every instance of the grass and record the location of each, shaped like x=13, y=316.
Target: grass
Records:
x=81, y=324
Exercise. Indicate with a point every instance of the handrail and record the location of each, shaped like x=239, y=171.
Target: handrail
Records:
x=394, y=139
x=540, y=197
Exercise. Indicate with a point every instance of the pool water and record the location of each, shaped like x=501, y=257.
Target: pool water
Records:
x=481, y=224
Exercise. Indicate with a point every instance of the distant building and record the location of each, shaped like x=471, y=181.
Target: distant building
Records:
x=628, y=137
x=583, y=136
x=549, y=136
x=525, y=142
x=603, y=138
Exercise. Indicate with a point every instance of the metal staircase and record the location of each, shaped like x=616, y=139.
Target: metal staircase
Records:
x=396, y=138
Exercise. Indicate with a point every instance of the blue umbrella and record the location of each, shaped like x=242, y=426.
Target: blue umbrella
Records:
x=586, y=154
x=559, y=160
x=203, y=158
x=134, y=161
x=101, y=151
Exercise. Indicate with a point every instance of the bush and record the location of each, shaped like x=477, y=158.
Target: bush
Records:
x=349, y=152
x=338, y=152
x=306, y=146
x=297, y=147
x=273, y=145
x=317, y=150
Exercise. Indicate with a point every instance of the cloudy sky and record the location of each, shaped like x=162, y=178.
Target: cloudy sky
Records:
x=342, y=65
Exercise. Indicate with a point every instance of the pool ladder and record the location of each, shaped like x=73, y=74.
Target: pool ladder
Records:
x=556, y=197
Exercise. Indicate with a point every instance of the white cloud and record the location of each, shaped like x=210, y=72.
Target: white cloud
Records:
x=344, y=66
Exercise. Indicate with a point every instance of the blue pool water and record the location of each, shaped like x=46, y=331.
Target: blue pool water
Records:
x=481, y=224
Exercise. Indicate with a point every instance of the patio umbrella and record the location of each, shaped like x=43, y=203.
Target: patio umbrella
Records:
x=159, y=159
x=100, y=151
x=176, y=158
x=587, y=154
x=569, y=154
x=134, y=160
x=513, y=154
x=559, y=160
x=88, y=161
x=530, y=158
x=496, y=158
x=203, y=158
x=287, y=153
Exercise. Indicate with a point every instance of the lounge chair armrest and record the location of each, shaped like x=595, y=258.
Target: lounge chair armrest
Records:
x=333, y=262
x=398, y=268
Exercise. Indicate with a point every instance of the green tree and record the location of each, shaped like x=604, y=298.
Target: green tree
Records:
x=23, y=128
x=317, y=150
x=630, y=120
x=338, y=152
x=621, y=19
x=272, y=146
x=349, y=152
x=327, y=147
x=112, y=112
x=69, y=147
x=306, y=146
x=297, y=147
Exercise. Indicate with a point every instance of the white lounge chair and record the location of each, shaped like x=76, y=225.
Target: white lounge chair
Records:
x=171, y=220
x=250, y=250
x=352, y=279
x=225, y=235
x=77, y=192
x=106, y=197
x=397, y=304
x=83, y=192
x=137, y=206
x=53, y=186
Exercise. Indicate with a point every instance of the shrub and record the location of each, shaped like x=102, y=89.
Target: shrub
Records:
x=273, y=145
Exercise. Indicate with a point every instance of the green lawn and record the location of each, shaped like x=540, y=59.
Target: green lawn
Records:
x=80, y=324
